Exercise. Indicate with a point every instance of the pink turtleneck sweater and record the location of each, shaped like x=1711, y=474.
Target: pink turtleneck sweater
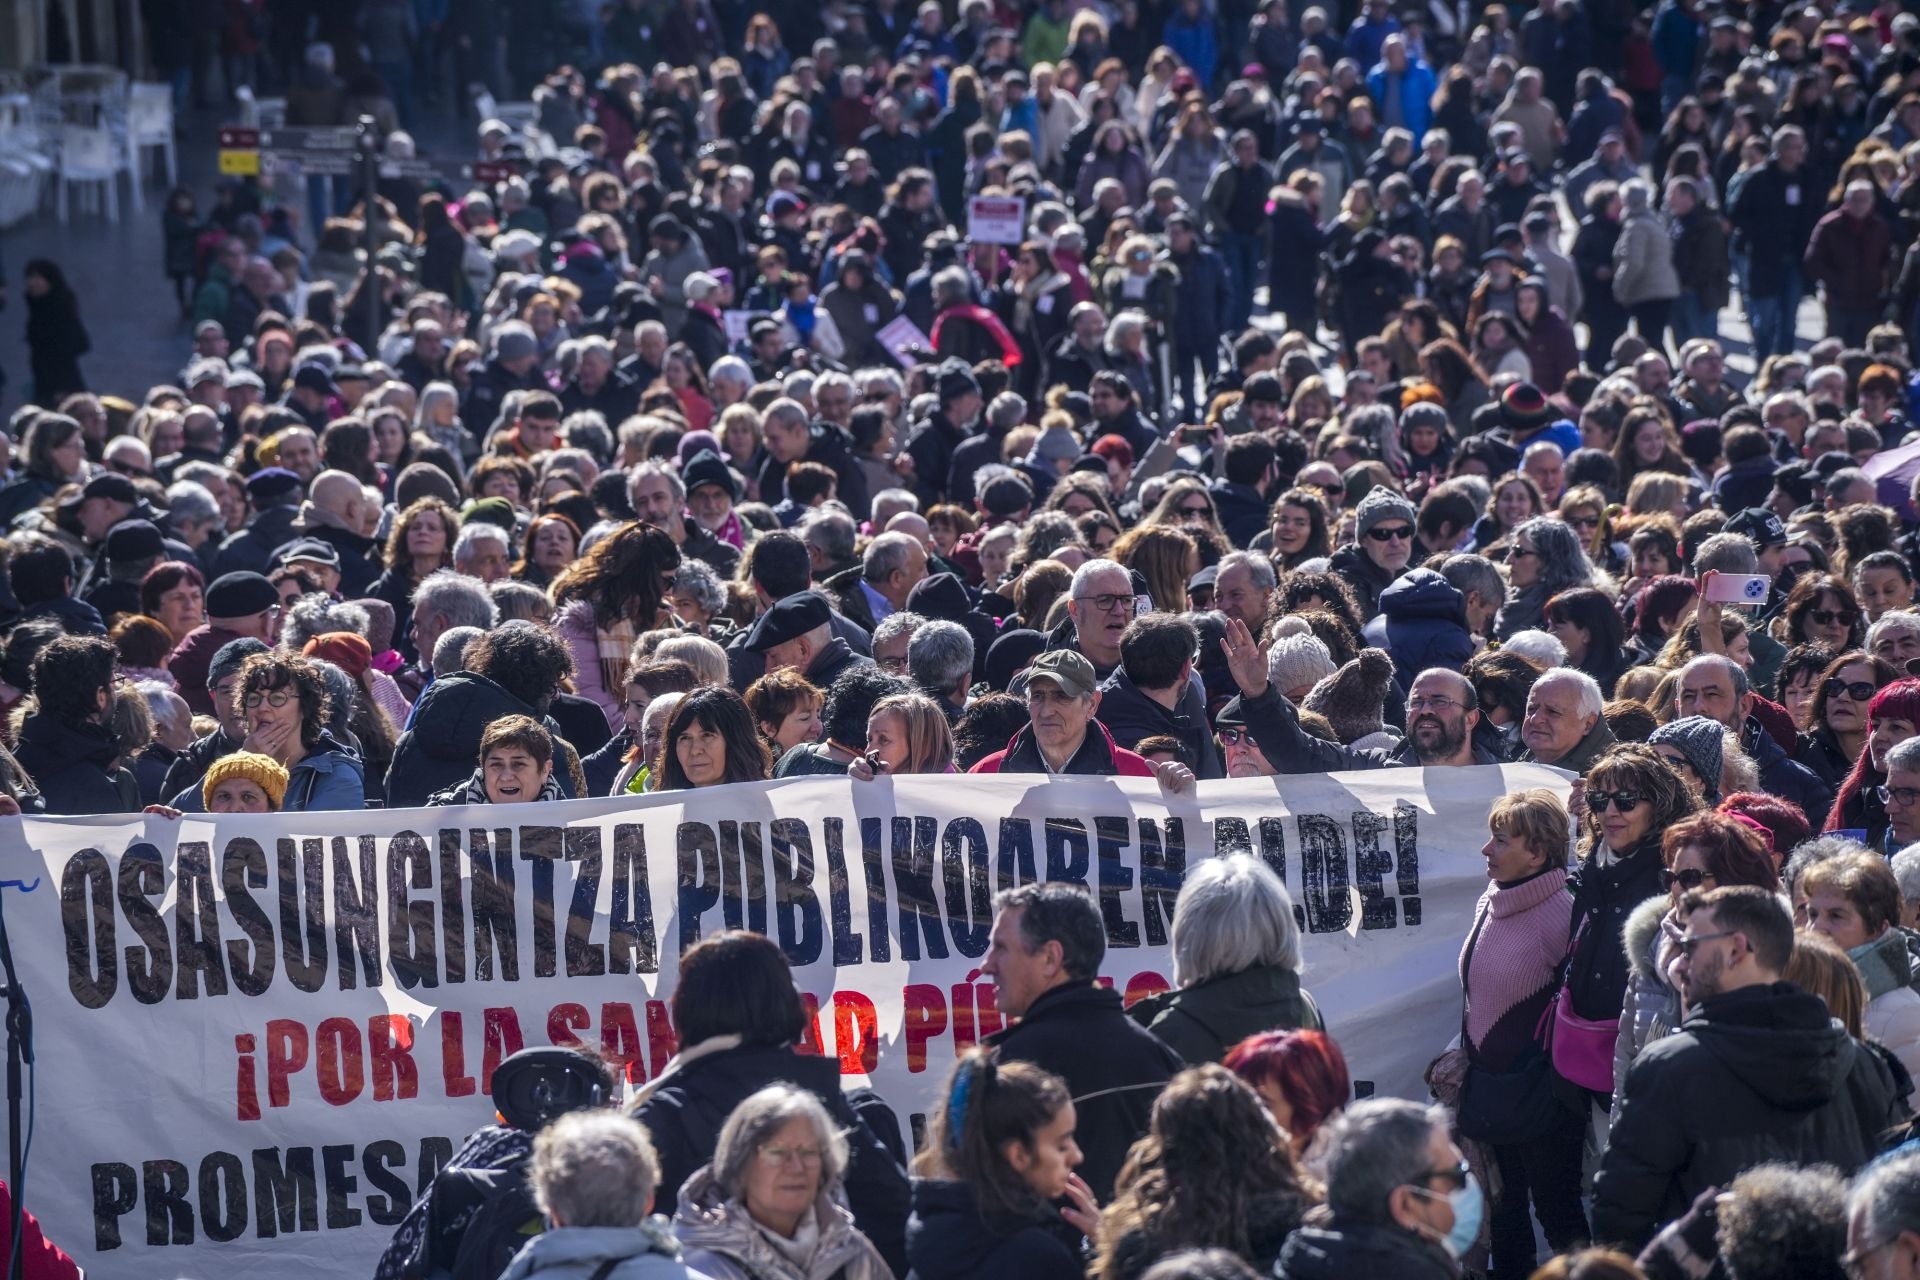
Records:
x=1509, y=962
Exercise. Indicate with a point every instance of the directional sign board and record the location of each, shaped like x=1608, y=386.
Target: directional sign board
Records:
x=240, y=152
x=329, y=151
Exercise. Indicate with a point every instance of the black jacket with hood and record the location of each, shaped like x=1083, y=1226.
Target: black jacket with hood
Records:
x=72, y=766
x=1759, y=1074
x=1422, y=623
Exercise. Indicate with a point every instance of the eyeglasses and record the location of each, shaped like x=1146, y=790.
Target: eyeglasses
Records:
x=1112, y=603
x=1827, y=617
x=1584, y=522
x=1458, y=1175
x=278, y=698
x=780, y=1156
x=1235, y=738
x=1690, y=879
x=1521, y=553
x=1380, y=533
x=1433, y=704
x=1620, y=800
x=1905, y=797
x=1686, y=945
x=1858, y=690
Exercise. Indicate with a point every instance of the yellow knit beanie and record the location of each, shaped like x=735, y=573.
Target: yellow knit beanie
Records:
x=263, y=771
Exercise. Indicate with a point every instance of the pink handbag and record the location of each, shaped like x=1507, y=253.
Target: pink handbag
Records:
x=1583, y=1047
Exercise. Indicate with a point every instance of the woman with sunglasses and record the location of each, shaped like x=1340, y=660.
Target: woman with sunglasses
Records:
x=1822, y=610
x=1632, y=797
x=1893, y=716
x=1705, y=851
x=1546, y=558
x=1835, y=729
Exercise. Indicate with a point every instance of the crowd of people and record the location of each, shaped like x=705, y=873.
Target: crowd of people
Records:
x=1354, y=396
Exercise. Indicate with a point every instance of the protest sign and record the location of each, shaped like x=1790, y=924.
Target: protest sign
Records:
x=259, y=1037
x=996, y=219
x=903, y=340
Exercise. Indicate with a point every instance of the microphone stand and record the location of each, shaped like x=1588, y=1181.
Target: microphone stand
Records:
x=19, y=1049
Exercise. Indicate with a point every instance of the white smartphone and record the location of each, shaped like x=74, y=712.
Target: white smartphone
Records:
x=1739, y=588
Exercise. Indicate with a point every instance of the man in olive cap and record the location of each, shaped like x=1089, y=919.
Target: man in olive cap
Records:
x=1063, y=738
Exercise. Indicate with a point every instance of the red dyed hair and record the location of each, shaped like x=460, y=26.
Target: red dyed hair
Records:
x=1307, y=1067
x=1783, y=818
x=1897, y=701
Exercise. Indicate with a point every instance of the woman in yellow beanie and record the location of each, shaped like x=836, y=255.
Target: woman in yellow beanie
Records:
x=244, y=782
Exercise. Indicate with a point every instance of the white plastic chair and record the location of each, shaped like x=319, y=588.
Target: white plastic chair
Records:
x=90, y=155
x=150, y=124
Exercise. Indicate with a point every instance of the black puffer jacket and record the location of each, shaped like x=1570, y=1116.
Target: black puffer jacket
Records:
x=443, y=745
x=1603, y=898
x=72, y=767
x=1759, y=1074
x=1362, y=1253
x=686, y=1108
x=948, y=1239
x=1081, y=1033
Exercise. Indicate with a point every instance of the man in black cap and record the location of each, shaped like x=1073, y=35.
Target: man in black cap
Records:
x=934, y=441
x=1768, y=533
x=311, y=394
x=275, y=494
x=712, y=489
x=781, y=567
x=238, y=605
x=797, y=634
x=132, y=548
x=223, y=680
x=91, y=511
x=767, y=348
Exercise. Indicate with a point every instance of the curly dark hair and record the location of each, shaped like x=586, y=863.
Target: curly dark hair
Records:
x=1634, y=766
x=1808, y=595
x=1210, y=1167
x=1296, y=588
x=988, y=725
x=625, y=576
x=271, y=671
x=525, y=659
x=69, y=675
x=399, y=560
x=850, y=701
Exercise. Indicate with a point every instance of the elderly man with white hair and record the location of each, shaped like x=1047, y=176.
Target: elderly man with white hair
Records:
x=1895, y=638
x=1563, y=725
x=890, y=568
x=482, y=552
x=658, y=495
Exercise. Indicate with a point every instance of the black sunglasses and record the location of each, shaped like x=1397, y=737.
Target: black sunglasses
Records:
x=1827, y=617
x=1690, y=879
x=1621, y=800
x=1858, y=690
x=1400, y=531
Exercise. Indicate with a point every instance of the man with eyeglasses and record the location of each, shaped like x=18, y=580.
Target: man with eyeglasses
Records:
x=1382, y=544
x=1714, y=686
x=1759, y=1071
x=1401, y=1202
x=1101, y=604
x=1442, y=711
x=223, y=678
x=1901, y=794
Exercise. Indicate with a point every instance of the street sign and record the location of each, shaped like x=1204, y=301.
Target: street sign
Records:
x=239, y=163
x=329, y=151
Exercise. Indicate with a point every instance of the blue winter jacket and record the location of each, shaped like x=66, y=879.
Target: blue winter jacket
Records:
x=1422, y=623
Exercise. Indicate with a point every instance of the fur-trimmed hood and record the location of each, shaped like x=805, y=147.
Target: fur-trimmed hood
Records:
x=1641, y=936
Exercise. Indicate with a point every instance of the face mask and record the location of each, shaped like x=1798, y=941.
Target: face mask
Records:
x=1468, y=1205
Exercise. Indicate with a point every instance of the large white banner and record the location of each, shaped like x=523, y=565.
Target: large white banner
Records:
x=258, y=1038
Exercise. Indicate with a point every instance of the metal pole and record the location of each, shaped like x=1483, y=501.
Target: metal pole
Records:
x=370, y=181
